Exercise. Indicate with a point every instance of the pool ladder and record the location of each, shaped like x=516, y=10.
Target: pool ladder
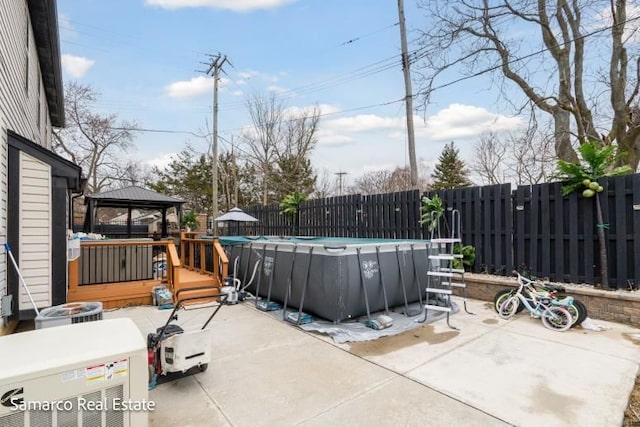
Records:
x=442, y=277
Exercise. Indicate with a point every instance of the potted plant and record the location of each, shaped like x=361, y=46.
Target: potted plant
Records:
x=289, y=206
x=190, y=221
x=432, y=210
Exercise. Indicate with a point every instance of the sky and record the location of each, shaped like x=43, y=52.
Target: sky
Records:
x=147, y=59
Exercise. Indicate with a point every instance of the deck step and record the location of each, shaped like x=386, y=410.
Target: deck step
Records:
x=457, y=284
x=437, y=308
x=439, y=291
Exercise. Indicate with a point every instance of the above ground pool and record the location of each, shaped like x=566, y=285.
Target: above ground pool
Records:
x=332, y=278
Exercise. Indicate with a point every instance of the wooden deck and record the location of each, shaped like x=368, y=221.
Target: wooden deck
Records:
x=116, y=295
x=181, y=274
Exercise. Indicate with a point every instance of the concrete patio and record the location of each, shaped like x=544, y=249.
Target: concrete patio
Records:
x=266, y=372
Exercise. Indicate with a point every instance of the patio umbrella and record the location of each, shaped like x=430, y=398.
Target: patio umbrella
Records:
x=236, y=215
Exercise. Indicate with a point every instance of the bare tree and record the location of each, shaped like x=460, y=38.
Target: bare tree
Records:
x=97, y=143
x=521, y=158
x=267, y=115
x=488, y=162
x=531, y=157
x=228, y=179
x=325, y=186
x=373, y=182
x=278, y=146
x=478, y=36
x=387, y=181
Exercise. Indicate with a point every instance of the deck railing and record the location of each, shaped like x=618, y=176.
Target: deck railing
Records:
x=112, y=271
x=205, y=255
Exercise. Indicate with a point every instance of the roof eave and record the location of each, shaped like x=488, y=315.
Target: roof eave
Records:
x=44, y=21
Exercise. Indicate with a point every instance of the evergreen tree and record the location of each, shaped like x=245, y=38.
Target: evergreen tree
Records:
x=451, y=171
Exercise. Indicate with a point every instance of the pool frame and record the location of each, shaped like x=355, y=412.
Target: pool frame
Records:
x=334, y=279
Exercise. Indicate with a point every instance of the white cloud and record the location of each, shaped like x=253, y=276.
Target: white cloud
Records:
x=364, y=123
x=190, y=88
x=77, y=66
x=329, y=138
x=246, y=75
x=237, y=93
x=234, y=5
x=296, y=111
x=465, y=121
x=162, y=161
x=279, y=90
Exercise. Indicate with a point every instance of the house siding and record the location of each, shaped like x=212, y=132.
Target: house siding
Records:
x=35, y=231
x=18, y=102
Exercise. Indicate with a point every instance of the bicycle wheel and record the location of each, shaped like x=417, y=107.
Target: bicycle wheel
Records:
x=509, y=307
x=501, y=296
x=574, y=312
x=582, y=311
x=557, y=319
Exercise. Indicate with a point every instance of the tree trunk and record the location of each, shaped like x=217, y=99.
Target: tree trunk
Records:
x=562, y=122
x=604, y=267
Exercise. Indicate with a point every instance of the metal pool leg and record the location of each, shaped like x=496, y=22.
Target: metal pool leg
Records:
x=264, y=249
x=404, y=291
x=246, y=268
x=289, y=283
x=364, y=288
x=273, y=273
x=304, y=287
x=415, y=274
x=384, y=288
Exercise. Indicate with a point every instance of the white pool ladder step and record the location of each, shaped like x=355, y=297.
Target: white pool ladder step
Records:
x=452, y=270
x=441, y=271
x=446, y=257
x=439, y=291
x=438, y=308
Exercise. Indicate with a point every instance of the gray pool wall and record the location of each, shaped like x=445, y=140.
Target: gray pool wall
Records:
x=334, y=274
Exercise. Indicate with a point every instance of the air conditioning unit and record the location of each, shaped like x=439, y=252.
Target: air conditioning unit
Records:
x=86, y=375
x=65, y=314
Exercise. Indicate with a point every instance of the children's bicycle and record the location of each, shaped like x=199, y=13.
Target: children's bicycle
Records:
x=557, y=294
x=554, y=314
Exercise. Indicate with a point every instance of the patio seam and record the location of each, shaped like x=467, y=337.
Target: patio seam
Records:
x=213, y=400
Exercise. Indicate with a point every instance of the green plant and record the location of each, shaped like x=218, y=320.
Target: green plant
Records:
x=468, y=253
x=596, y=162
x=290, y=205
x=431, y=211
x=190, y=219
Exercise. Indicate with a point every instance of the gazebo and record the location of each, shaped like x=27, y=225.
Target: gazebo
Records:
x=133, y=197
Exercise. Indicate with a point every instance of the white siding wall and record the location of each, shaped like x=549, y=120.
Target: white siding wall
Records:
x=18, y=100
x=35, y=231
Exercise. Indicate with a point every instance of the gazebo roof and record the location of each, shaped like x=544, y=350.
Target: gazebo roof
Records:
x=133, y=196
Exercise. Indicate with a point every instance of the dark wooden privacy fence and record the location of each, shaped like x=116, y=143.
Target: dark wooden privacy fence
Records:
x=532, y=227
x=556, y=236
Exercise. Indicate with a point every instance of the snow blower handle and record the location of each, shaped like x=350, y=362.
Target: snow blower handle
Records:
x=15, y=265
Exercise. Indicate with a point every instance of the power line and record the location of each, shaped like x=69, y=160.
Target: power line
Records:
x=355, y=39
x=529, y=55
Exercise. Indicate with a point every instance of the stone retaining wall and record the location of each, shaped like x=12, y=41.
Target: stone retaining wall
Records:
x=616, y=306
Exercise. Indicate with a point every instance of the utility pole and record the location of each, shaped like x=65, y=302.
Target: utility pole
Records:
x=413, y=165
x=340, y=175
x=215, y=65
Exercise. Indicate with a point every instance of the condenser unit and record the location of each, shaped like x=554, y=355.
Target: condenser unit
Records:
x=85, y=374
x=65, y=314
